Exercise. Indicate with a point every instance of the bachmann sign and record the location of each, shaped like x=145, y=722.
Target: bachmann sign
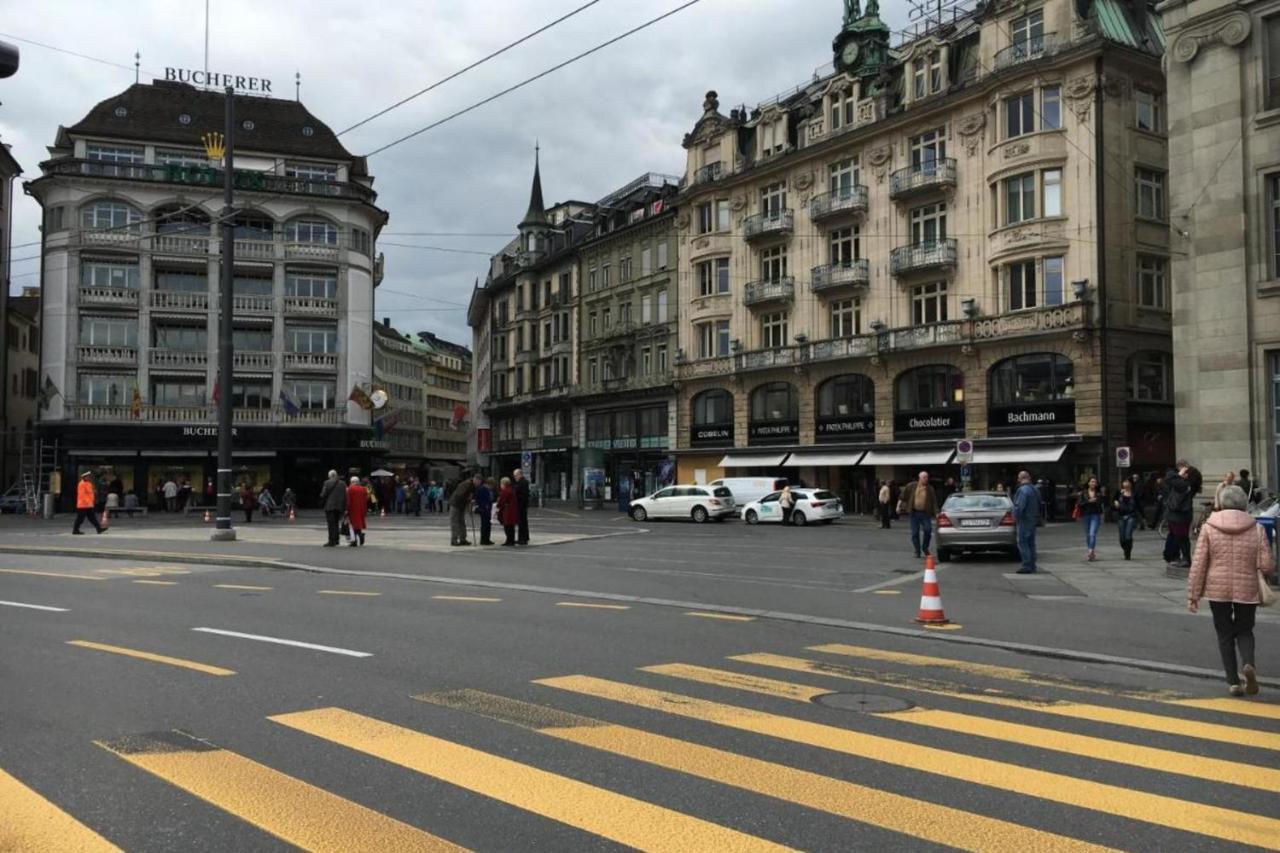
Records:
x=1033, y=417
x=711, y=435
x=842, y=427
x=773, y=432
x=933, y=422
x=197, y=77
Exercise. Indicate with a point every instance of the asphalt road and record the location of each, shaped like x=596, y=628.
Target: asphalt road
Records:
x=155, y=708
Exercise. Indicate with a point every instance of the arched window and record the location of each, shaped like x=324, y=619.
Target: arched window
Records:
x=182, y=221
x=851, y=394
x=250, y=225
x=1041, y=377
x=111, y=214
x=311, y=230
x=1150, y=377
x=775, y=401
x=937, y=386
x=713, y=407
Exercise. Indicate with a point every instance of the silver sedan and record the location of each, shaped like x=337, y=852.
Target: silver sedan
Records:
x=976, y=521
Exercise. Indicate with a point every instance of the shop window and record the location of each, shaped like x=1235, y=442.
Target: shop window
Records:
x=1035, y=378
x=1149, y=376
x=851, y=394
x=775, y=401
x=713, y=407
x=934, y=387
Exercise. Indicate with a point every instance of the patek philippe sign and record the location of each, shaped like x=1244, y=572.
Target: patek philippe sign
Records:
x=1033, y=417
x=197, y=77
x=773, y=432
x=929, y=423
x=715, y=435
x=841, y=427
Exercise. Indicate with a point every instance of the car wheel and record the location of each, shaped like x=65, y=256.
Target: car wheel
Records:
x=700, y=514
x=798, y=519
x=944, y=556
x=638, y=513
x=752, y=517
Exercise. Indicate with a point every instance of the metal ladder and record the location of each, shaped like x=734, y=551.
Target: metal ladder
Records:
x=37, y=469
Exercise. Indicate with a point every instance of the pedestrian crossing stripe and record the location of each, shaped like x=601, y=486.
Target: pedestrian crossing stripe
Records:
x=288, y=808
x=1054, y=740
x=886, y=810
x=1213, y=821
x=33, y=823
x=604, y=813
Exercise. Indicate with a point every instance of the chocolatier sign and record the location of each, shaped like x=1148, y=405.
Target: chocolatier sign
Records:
x=931, y=422
x=1050, y=416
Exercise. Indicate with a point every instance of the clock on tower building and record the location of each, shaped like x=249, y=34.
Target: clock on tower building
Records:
x=862, y=45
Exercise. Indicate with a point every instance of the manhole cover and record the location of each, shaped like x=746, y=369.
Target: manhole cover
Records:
x=865, y=703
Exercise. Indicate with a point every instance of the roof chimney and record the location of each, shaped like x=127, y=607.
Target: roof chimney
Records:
x=386, y=322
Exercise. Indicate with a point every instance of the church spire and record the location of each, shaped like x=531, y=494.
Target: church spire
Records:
x=537, y=214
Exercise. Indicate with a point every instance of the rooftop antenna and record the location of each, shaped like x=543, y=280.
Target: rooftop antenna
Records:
x=137, y=65
x=297, y=86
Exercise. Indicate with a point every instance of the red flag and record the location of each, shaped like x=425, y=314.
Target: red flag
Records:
x=459, y=414
x=217, y=391
x=135, y=406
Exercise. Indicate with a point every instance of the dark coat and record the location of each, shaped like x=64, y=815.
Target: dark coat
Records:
x=484, y=500
x=508, y=511
x=334, y=496
x=1178, y=507
x=461, y=496
x=522, y=493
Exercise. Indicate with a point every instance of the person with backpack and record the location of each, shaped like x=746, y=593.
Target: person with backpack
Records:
x=1178, y=511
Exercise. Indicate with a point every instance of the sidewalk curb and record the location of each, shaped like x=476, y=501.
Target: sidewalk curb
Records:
x=777, y=615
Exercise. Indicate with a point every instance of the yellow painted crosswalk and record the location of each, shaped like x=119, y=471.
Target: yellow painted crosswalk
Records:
x=970, y=765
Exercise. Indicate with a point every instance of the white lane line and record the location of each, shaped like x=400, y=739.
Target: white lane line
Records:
x=298, y=643
x=902, y=581
x=35, y=606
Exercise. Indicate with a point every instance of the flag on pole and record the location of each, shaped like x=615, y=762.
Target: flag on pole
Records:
x=135, y=407
x=360, y=398
x=47, y=392
x=290, y=408
x=459, y=415
x=217, y=391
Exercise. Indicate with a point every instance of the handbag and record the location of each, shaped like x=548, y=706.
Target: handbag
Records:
x=1266, y=595
x=1077, y=513
x=344, y=529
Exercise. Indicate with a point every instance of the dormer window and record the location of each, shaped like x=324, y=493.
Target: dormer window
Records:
x=926, y=76
x=843, y=106
x=773, y=136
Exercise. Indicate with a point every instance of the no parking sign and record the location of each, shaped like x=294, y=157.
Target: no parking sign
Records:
x=1124, y=457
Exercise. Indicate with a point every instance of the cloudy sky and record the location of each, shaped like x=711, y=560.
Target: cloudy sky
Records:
x=601, y=121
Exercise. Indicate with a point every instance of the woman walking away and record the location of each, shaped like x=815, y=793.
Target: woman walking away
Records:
x=357, y=511
x=508, y=512
x=248, y=502
x=1127, y=511
x=1089, y=502
x=787, y=501
x=886, y=505
x=1231, y=551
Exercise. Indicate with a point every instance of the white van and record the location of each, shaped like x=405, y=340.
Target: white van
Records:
x=747, y=489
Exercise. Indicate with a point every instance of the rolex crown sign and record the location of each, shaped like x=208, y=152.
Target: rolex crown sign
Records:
x=378, y=398
x=214, y=147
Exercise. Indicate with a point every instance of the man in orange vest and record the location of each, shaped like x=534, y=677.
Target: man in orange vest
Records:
x=86, y=497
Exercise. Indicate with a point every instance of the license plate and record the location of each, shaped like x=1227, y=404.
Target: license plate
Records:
x=974, y=522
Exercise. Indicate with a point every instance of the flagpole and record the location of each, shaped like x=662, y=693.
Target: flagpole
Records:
x=223, y=531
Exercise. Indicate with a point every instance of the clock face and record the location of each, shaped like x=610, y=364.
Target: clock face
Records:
x=850, y=53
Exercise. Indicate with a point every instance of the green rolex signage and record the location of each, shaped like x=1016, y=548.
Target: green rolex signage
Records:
x=208, y=176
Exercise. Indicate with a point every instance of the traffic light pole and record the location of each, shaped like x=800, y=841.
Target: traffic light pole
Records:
x=223, y=531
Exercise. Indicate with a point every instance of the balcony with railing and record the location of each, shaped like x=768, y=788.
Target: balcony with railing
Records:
x=180, y=244
x=106, y=354
x=169, y=359
x=1026, y=50
x=847, y=201
x=311, y=252
x=311, y=306
x=259, y=361
x=251, y=304
x=1052, y=318
x=109, y=297
x=201, y=415
x=116, y=238
x=564, y=347
x=246, y=180
x=929, y=176
x=931, y=255
x=708, y=173
x=770, y=292
x=254, y=250
x=761, y=226
x=179, y=300
x=317, y=361
x=845, y=276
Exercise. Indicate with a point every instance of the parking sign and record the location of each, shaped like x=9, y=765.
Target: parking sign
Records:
x=964, y=451
x=1124, y=457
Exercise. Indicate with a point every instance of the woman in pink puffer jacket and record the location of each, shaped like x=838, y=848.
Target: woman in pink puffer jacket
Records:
x=1231, y=551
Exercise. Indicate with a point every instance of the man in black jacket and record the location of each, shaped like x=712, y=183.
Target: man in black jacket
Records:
x=333, y=496
x=1178, y=510
x=459, y=506
x=521, y=485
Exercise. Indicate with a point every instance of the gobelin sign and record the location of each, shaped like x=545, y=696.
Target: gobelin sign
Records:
x=212, y=78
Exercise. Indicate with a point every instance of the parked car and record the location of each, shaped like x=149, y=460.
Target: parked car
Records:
x=811, y=505
x=748, y=489
x=697, y=502
x=976, y=521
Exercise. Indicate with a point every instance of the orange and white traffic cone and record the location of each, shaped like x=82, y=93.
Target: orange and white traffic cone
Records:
x=931, y=597
x=208, y=516
x=293, y=514
x=106, y=518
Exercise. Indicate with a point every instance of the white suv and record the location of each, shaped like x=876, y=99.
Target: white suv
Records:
x=697, y=502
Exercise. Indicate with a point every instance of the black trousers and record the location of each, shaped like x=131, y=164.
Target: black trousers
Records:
x=1234, y=624
x=510, y=531
x=786, y=514
x=885, y=513
x=486, y=522
x=523, y=536
x=87, y=513
x=333, y=518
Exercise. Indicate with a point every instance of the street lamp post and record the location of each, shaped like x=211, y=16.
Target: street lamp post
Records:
x=223, y=531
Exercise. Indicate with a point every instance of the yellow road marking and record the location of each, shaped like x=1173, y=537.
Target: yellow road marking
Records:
x=50, y=574
x=1250, y=708
x=1101, y=749
x=596, y=810
x=242, y=586
x=288, y=808
x=159, y=583
x=728, y=617
x=347, y=592
x=154, y=658
x=1213, y=821
x=464, y=598
x=950, y=626
x=915, y=818
x=592, y=606
x=887, y=592
x=33, y=823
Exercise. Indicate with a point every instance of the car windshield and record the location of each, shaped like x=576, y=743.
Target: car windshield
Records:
x=722, y=492
x=963, y=503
